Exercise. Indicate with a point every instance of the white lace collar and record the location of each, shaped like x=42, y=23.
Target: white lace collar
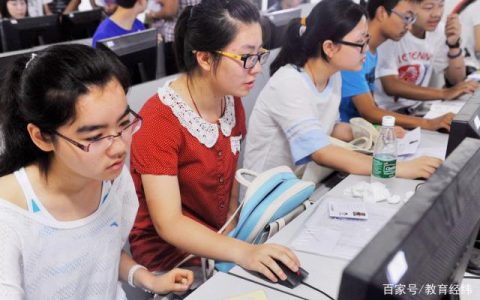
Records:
x=205, y=132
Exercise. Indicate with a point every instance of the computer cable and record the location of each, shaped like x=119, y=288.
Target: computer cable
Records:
x=318, y=290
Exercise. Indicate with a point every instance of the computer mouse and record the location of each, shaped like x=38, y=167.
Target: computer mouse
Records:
x=293, y=278
x=443, y=130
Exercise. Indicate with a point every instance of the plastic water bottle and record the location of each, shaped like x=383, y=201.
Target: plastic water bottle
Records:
x=384, y=164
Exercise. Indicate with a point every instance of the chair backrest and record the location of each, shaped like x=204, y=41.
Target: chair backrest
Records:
x=260, y=82
x=140, y=93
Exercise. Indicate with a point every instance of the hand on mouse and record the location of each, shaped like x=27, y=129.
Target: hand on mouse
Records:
x=421, y=167
x=261, y=258
x=461, y=88
x=443, y=121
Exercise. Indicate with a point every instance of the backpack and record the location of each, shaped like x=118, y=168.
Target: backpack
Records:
x=272, y=199
x=271, y=196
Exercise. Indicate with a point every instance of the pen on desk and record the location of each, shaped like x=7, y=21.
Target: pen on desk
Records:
x=414, y=141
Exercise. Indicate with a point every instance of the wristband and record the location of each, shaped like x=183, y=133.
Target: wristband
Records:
x=460, y=52
x=456, y=45
x=131, y=272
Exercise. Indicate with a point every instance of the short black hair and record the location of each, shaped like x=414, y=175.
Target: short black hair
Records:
x=126, y=3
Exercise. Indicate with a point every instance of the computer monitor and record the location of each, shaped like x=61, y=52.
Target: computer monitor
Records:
x=266, y=4
x=137, y=51
x=428, y=241
x=29, y=32
x=280, y=20
x=81, y=24
x=466, y=123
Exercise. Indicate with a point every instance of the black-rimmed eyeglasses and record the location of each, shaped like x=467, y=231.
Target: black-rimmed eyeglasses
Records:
x=249, y=60
x=362, y=46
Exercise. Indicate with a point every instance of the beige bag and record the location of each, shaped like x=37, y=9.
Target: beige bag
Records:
x=364, y=137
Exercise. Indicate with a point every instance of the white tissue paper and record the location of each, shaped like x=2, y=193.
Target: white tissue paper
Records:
x=372, y=192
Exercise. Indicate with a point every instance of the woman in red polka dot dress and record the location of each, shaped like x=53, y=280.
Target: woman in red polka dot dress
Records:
x=185, y=155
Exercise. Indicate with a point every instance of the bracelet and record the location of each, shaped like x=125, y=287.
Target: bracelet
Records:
x=455, y=55
x=456, y=45
x=131, y=272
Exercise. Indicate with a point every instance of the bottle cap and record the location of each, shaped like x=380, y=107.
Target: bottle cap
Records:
x=388, y=121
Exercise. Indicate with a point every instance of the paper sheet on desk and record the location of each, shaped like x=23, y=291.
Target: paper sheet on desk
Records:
x=439, y=108
x=409, y=143
x=341, y=238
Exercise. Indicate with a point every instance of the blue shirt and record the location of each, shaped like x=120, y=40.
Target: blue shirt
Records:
x=356, y=83
x=108, y=29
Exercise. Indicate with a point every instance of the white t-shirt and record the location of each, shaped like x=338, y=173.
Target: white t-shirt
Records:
x=42, y=258
x=35, y=7
x=470, y=18
x=411, y=59
x=291, y=120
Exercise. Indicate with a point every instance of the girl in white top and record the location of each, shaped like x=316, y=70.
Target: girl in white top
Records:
x=297, y=110
x=67, y=203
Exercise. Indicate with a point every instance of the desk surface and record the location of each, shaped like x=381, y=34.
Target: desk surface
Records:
x=325, y=272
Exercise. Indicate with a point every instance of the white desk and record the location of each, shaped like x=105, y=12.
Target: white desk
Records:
x=325, y=272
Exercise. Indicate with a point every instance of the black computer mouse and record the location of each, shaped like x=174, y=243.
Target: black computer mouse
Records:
x=443, y=130
x=293, y=278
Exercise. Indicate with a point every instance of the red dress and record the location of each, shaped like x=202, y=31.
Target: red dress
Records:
x=174, y=140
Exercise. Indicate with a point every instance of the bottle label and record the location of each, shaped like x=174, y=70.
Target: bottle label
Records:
x=384, y=168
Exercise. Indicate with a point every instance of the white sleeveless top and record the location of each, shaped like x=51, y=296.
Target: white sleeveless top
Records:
x=42, y=258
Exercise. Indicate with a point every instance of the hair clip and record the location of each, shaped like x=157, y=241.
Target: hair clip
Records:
x=303, y=26
x=303, y=21
x=30, y=60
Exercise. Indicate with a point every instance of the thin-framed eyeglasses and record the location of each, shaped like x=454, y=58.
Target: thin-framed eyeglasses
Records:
x=249, y=60
x=104, y=142
x=362, y=46
x=408, y=18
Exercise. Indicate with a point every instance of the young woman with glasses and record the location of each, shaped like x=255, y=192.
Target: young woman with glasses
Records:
x=298, y=109
x=185, y=155
x=67, y=203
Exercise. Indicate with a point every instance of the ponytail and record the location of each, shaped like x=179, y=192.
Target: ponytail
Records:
x=461, y=6
x=19, y=150
x=328, y=20
x=183, y=50
x=292, y=51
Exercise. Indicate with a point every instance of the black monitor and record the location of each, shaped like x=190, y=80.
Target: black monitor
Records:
x=81, y=24
x=466, y=123
x=29, y=32
x=280, y=20
x=137, y=51
x=428, y=241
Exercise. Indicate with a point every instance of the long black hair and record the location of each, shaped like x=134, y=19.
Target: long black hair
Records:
x=462, y=5
x=209, y=26
x=328, y=20
x=43, y=90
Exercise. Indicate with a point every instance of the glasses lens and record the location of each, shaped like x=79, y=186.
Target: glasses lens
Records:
x=126, y=134
x=135, y=126
x=264, y=57
x=251, y=61
x=411, y=18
